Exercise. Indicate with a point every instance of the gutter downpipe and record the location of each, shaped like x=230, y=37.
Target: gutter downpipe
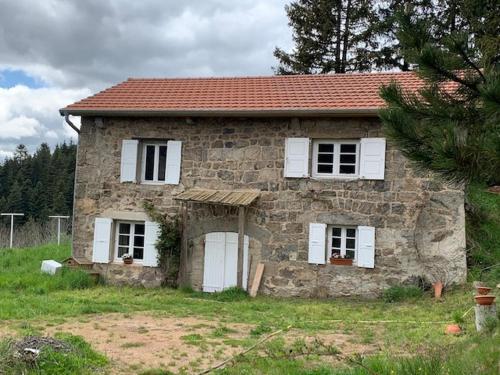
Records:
x=68, y=121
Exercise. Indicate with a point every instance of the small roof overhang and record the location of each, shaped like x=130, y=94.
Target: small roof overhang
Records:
x=221, y=197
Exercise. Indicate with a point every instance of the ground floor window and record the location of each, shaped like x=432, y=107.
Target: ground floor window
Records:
x=342, y=242
x=130, y=240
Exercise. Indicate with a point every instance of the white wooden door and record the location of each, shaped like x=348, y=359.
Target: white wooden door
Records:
x=221, y=261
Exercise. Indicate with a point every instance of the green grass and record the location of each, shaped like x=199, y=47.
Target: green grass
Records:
x=30, y=300
x=81, y=359
x=400, y=293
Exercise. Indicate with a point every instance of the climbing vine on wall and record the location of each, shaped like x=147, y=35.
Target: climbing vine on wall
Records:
x=168, y=244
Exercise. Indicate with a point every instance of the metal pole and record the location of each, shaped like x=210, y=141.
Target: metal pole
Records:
x=11, y=226
x=58, y=217
x=11, y=230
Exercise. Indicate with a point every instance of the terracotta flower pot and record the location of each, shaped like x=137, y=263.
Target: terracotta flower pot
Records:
x=453, y=329
x=438, y=289
x=483, y=290
x=485, y=300
x=128, y=260
x=341, y=261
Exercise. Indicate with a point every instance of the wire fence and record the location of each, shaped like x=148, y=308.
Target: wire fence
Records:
x=34, y=233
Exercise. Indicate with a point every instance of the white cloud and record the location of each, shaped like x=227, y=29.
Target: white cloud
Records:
x=30, y=115
x=18, y=127
x=115, y=39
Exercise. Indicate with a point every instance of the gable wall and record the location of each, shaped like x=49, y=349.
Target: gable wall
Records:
x=419, y=222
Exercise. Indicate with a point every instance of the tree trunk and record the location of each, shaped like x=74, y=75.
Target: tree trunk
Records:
x=345, y=43
x=338, y=37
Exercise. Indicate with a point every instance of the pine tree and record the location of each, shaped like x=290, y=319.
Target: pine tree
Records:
x=452, y=125
x=330, y=36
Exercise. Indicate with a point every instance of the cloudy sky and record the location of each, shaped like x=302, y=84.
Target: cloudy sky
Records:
x=53, y=52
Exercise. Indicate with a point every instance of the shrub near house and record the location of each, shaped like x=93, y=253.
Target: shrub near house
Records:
x=296, y=164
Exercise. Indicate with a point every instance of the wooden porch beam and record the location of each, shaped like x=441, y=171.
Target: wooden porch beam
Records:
x=241, y=244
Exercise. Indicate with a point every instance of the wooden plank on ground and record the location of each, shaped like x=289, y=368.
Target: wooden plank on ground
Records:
x=256, y=280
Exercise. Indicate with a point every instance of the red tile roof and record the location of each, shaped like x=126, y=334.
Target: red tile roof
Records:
x=299, y=94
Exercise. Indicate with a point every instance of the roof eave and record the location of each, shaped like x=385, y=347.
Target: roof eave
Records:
x=334, y=112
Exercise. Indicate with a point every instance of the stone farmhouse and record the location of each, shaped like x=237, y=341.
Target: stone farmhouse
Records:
x=292, y=172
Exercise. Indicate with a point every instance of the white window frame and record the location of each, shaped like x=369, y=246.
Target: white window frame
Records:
x=336, y=158
x=155, y=180
x=131, y=239
x=343, y=237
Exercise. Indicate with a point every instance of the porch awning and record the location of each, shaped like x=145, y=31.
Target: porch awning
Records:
x=222, y=197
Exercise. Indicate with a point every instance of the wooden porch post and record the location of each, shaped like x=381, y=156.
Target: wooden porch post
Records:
x=184, y=244
x=241, y=244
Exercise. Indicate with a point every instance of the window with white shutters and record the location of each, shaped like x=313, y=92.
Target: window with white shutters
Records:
x=348, y=242
x=129, y=240
x=160, y=161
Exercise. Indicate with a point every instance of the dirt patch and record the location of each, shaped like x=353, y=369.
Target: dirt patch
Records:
x=140, y=341
x=136, y=342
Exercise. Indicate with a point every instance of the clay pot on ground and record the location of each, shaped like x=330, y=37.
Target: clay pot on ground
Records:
x=453, y=329
x=438, y=289
x=485, y=300
x=483, y=290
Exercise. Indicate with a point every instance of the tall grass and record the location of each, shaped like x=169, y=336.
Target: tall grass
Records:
x=20, y=271
x=33, y=233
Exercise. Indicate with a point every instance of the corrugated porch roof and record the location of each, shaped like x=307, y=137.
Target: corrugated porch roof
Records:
x=222, y=197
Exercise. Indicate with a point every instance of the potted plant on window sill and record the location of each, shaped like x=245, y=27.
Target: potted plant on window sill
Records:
x=340, y=261
x=127, y=259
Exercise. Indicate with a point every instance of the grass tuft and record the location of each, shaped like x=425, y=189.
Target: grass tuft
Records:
x=399, y=293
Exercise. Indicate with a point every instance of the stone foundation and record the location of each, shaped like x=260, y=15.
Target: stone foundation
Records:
x=420, y=230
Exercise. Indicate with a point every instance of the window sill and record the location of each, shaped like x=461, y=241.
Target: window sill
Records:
x=336, y=178
x=154, y=183
x=121, y=263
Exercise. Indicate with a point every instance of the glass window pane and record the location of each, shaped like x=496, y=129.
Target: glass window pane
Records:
x=138, y=253
x=336, y=252
x=139, y=241
x=162, y=163
x=150, y=163
x=325, y=147
x=122, y=251
x=350, y=232
x=336, y=232
x=324, y=168
x=124, y=228
x=347, y=169
x=350, y=243
x=349, y=254
x=336, y=242
x=139, y=229
x=325, y=158
x=347, y=148
x=347, y=158
x=123, y=240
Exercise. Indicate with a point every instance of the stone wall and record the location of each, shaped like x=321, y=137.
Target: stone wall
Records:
x=419, y=221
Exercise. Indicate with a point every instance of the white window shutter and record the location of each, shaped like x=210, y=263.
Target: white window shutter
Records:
x=317, y=243
x=372, y=158
x=128, y=167
x=102, y=240
x=297, y=157
x=366, y=247
x=174, y=157
x=151, y=233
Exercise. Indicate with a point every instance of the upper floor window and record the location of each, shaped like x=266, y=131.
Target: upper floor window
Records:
x=154, y=162
x=151, y=162
x=335, y=158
